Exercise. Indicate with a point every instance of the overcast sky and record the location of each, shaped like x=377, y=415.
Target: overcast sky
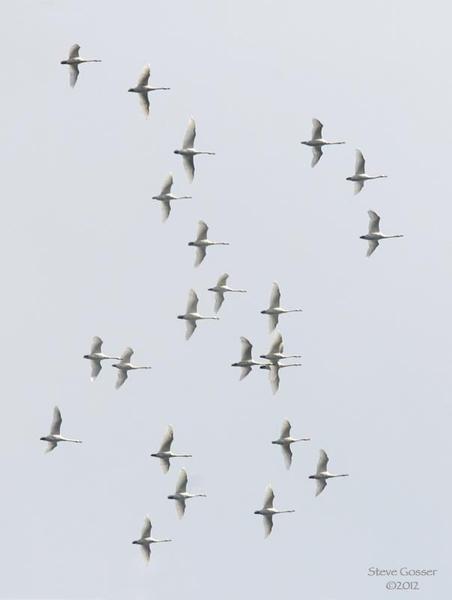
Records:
x=84, y=253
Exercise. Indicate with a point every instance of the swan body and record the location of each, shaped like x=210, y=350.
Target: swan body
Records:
x=322, y=473
x=165, y=197
x=55, y=437
x=143, y=88
x=268, y=511
x=164, y=453
x=96, y=356
x=74, y=60
x=276, y=352
x=221, y=289
x=285, y=440
x=246, y=362
x=273, y=374
x=317, y=142
x=202, y=242
x=192, y=315
x=181, y=494
x=360, y=176
x=188, y=152
x=374, y=235
x=275, y=309
x=124, y=366
x=146, y=540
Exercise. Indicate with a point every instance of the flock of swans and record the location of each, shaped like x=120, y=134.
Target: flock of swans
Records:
x=272, y=361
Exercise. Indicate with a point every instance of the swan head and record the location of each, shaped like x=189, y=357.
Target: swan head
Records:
x=43, y=439
x=177, y=152
x=86, y=356
x=264, y=366
x=181, y=316
x=312, y=477
x=115, y=365
x=362, y=237
x=64, y=62
x=131, y=90
x=191, y=244
x=348, y=179
x=172, y=497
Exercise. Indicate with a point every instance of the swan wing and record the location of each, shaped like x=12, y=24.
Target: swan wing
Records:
x=189, y=165
x=181, y=486
x=316, y=155
x=73, y=74
x=126, y=355
x=223, y=279
x=190, y=327
x=167, y=185
x=192, y=304
x=146, y=551
x=273, y=375
x=144, y=102
x=55, y=428
x=285, y=429
x=144, y=77
x=73, y=51
x=96, y=345
x=373, y=244
x=165, y=464
x=321, y=485
x=245, y=371
x=147, y=527
x=273, y=321
x=200, y=255
x=276, y=344
x=166, y=209
x=269, y=497
x=358, y=186
x=287, y=454
x=51, y=446
x=275, y=296
x=268, y=524
x=360, y=163
x=122, y=376
x=203, y=229
x=190, y=134
x=167, y=440
x=374, y=222
x=96, y=367
x=322, y=465
x=219, y=299
x=247, y=348
x=317, y=127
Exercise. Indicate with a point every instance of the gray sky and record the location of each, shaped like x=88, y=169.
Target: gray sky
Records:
x=84, y=253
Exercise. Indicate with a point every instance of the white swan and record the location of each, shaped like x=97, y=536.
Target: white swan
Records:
x=181, y=494
x=322, y=473
x=220, y=289
x=124, y=366
x=276, y=352
x=164, y=453
x=285, y=440
x=274, y=369
x=268, y=511
x=188, y=152
x=316, y=142
x=202, y=243
x=360, y=176
x=96, y=356
x=246, y=362
x=74, y=61
x=54, y=436
x=192, y=315
x=275, y=308
x=143, y=88
x=146, y=540
x=375, y=235
x=165, y=197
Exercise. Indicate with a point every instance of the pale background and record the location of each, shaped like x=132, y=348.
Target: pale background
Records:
x=84, y=253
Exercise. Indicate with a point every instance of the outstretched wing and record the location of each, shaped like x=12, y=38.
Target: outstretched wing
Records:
x=287, y=454
x=190, y=134
x=316, y=129
x=323, y=462
x=200, y=255
x=180, y=507
x=144, y=77
x=268, y=524
x=126, y=355
x=273, y=375
x=275, y=296
x=276, y=344
x=167, y=440
x=55, y=428
x=247, y=348
x=181, y=486
x=73, y=51
x=165, y=464
x=269, y=497
x=146, y=531
x=360, y=163
x=374, y=222
x=122, y=376
x=73, y=74
x=146, y=551
x=189, y=165
x=190, y=327
x=96, y=367
x=373, y=244
x=219, y=299
x=285, y=429
x=192, y=304
x=202, y=231
x=321, y=485
x=316, y=155
x=96, y=345
x=245, y=371
x=358, y=186
x=51, y=446
x=167, y=185
x=144, y=101
x=166, y=209
x=273, y=321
